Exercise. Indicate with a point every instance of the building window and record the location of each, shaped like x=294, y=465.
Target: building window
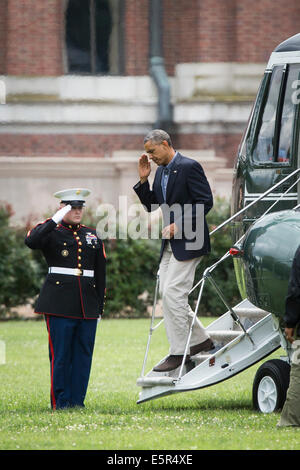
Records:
x=94, y=36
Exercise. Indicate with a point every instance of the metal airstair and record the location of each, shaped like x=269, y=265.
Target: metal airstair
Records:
x=234, y=351
x=242, y=336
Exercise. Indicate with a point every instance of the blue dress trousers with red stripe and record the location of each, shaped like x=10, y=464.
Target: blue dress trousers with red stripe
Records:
x=71, y=304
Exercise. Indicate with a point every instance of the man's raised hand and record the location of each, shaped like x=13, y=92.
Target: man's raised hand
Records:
x=144, y=168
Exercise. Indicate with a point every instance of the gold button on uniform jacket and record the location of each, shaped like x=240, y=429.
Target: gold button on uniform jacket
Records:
x=77, y=248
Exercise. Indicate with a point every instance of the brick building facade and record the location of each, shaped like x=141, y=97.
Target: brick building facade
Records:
x=93, y=123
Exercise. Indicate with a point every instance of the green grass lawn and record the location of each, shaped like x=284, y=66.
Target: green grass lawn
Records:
x=218, y=417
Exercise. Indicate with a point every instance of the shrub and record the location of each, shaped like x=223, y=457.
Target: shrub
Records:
x=130, y=273
x=19, y=273
x=131, y=269
x=132, y=266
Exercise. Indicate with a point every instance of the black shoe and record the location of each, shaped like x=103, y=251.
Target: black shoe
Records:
x=207, y=345
x=171, y=363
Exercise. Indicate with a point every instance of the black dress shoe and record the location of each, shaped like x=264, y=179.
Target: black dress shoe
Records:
x=171, y=363
x=207, y=345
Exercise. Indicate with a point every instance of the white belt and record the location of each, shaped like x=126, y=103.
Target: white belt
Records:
x=71, y=271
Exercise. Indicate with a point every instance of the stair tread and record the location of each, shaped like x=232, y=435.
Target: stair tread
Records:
x=250, y=312
x=235, y=333
x=203, y=356
x=155, y=380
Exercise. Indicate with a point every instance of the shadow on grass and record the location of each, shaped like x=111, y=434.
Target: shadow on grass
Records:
x=170, y=405
x=198, y=405
x=120, y=405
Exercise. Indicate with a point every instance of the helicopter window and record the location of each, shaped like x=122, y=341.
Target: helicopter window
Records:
x=263, y=150
x=287, y=116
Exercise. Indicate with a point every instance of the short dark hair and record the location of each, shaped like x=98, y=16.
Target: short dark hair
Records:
x=158, y=136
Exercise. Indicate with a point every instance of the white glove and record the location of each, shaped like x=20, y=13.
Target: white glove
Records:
x=59, y=215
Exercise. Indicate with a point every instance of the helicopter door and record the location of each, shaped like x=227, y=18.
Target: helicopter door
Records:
x=268, y=152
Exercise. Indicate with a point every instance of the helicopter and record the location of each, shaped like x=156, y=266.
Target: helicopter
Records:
x=265, y=226
x=269, y=154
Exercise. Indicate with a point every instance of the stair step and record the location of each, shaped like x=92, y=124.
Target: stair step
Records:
x=152, y=381
x=201, y=358
x=250, y=312
x=249, y=315
x=172, y=374
x=220, y=339
x=224, y=336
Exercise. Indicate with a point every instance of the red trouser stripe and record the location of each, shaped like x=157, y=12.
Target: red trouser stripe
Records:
x=52, y=364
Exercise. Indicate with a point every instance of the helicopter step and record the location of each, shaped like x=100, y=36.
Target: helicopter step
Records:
x=164, y=378
x=220, y=339
x=234, y=351
x=249, y=315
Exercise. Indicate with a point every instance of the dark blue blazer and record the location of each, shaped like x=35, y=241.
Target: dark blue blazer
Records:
x=187, y=184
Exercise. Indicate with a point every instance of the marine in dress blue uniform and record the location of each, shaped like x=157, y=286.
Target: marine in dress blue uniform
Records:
x=71, y=298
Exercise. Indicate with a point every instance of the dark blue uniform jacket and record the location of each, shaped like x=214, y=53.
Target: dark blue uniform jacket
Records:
x=70, y=246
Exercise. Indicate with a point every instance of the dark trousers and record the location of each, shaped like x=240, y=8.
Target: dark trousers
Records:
x=71, y=344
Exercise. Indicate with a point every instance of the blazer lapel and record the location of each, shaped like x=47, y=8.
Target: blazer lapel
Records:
x=175, y=170
x=157, y=185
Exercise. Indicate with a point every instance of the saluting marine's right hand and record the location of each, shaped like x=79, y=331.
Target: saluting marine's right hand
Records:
x=144, y=168
x=59, y=215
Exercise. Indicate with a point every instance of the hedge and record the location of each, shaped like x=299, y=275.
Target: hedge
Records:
x=19, y=271
x=131, y=269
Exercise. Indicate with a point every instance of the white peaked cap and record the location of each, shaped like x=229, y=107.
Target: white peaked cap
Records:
x=74, y=194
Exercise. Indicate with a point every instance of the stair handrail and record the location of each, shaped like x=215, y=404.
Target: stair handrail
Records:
x=241, y=211
x=247, y=207
x=207, y=275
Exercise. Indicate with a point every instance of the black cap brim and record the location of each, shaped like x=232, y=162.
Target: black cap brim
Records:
x=75, y=203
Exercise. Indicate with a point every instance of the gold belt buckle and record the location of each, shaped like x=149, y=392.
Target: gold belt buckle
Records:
x=78, y=272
